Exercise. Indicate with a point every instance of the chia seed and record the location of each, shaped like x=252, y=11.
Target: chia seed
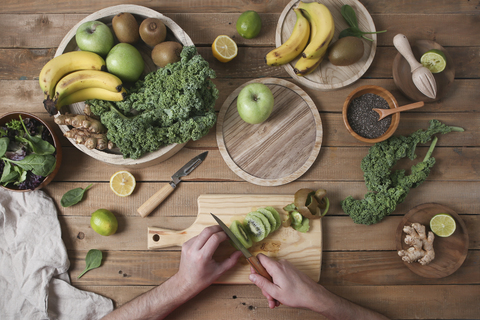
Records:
x=363, y=120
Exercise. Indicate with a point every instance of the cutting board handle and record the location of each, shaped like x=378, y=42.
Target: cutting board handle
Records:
x=163, y=238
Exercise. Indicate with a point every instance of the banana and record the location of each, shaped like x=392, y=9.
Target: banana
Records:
x=92, y=93
x=83, y=79
x=323, y=28
x=306, y=66
x=295, y=44
x=59, y=66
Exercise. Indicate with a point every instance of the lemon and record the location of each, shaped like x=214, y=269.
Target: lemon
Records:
x=434, y=60
x=249, y=24
x=224, y=48
x=104, y=222
x=122, y=183
x=443, y=225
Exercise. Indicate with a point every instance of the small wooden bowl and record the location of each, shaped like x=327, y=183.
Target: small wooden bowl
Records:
x=56, y=142
x=174, y=33
x=379, y=91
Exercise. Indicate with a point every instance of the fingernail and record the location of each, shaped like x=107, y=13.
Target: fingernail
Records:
x=252, y=278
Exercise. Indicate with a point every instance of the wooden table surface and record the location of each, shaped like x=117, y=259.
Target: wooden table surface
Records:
x=359, y=262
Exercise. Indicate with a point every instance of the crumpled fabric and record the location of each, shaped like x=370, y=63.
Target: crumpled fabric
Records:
x=34, y=283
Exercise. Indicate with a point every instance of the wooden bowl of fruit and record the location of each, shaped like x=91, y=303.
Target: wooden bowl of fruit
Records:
x=69, y=44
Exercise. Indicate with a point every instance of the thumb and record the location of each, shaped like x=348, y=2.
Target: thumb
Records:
x=263, y=284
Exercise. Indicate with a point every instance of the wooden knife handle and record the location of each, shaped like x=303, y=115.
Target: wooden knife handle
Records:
x=155, y=200
x=259, y=268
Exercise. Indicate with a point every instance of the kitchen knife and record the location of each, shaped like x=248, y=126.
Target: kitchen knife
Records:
x=165, y=191
x=250, y=258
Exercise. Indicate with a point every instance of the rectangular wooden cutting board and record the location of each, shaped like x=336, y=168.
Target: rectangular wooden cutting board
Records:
x=303, y=250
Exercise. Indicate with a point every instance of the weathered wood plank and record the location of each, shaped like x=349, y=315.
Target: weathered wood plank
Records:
x=426, y=301
x=374, y=268
x=340, y=233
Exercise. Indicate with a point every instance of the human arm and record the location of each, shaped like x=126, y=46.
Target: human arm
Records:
x=293, y=288
x=196, y=272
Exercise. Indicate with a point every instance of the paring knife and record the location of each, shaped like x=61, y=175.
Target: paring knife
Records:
x=165, y=191
x=250, y=258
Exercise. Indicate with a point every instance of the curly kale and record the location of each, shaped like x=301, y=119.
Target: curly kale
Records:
x=387, y=188
x=171, y=105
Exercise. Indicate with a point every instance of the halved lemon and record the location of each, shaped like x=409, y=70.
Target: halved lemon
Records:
x=122, y=183
x=224, y=48
x=443, y=225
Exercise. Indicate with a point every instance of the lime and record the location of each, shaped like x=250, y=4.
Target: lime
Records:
x=249, y=24
x=443, y=225
x=104, y=222
x=434, y=60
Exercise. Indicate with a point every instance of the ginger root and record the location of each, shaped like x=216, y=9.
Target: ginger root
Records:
x=81, y=121
x=421, y=249
x=89, y=139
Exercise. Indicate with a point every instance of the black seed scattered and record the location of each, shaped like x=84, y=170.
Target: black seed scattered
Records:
x=243, y=303
x=234, y=297
x=251, y=307
x=363, y=120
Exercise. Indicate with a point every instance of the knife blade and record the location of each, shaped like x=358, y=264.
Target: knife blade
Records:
x=155, y=200
x=253, y=260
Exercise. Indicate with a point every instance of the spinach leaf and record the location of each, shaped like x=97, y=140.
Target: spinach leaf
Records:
x=9, y=174
x=354, y=31
x=73, y=196
x=40, y=165
x=38, y=145
x=4, y=145
x=93, y=260
x=349, y=15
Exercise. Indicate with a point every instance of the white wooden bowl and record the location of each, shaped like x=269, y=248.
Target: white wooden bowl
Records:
x=174, y=32
x=327, y=76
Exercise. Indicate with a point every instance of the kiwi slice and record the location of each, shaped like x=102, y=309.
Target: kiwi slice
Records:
x=276, y=215
x=255, y=227
x=302, y=226
x=241, y=233
x=270, y=217
x=266, y=223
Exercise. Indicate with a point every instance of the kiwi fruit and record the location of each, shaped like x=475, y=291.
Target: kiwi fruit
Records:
x=270, y=217
x=266, y=223
x=241, y=233
x=166, y=52
x=346, y=51
x=302, y=226
x=255, y=227
x=125, y=27
x=152, y=31
x=276, y=215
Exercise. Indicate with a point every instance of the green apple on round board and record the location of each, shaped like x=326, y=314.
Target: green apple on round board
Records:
x=125, y=62
x=94, y=36
x=255, y=103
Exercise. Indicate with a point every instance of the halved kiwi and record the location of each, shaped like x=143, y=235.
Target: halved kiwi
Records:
x=241, y=233
x=255, y=226
x=276, y=215
x=270, y=217
x=266, y=223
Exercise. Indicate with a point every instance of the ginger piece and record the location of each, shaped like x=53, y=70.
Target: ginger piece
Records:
x=81, y=121
x=421, y=249
x=89, y=139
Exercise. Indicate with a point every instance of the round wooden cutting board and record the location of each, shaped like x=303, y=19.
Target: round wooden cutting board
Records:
x=279, y=150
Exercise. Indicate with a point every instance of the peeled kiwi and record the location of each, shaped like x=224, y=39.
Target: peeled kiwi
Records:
x=276, y=215
x=126, y=28
x=241, y=233
x=255, y=226
x=152, y=31
x=266, y=223
x=166, y=52
x=270, y=217
x=346, y=51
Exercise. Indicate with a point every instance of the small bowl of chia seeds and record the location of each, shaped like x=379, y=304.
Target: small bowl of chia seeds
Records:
x=362, y=121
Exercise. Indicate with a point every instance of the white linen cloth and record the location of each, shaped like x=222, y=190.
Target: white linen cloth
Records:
x=34, y=283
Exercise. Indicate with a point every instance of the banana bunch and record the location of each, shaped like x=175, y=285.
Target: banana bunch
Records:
x=311, y=35
x=77, y=76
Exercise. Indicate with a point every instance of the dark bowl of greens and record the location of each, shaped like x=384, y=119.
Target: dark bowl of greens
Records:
x=30, y=152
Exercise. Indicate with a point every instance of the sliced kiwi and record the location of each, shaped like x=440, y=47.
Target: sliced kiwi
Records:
x=255, y=226
x=270, y=217
x=302, y=226
x=276, y=215
x=266, y=223
x=241, y=233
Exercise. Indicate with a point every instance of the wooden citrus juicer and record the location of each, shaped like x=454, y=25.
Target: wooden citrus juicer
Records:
x=386, y=112
x=421, y=76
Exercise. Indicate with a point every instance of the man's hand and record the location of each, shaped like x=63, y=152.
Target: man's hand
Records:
x=197, y=268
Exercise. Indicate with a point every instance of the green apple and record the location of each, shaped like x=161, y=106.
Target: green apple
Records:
x=125, y=62
x=255, y=103
x=94, y=36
